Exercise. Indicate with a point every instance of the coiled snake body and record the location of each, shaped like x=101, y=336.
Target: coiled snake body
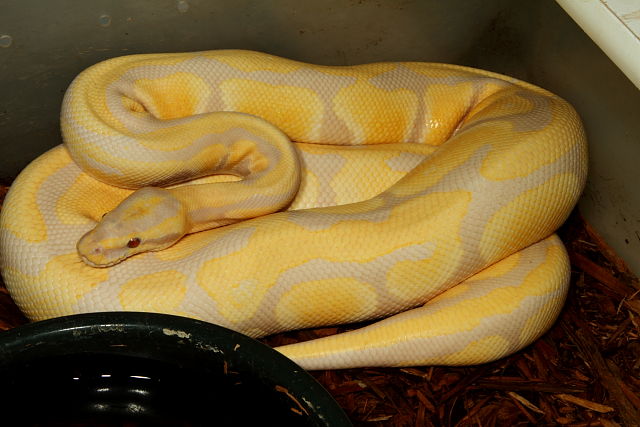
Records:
x=424, y=194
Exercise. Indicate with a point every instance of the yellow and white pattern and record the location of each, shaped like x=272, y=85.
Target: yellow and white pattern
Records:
x=425, y=194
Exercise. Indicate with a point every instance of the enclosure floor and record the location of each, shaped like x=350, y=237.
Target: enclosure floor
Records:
x=584, y=372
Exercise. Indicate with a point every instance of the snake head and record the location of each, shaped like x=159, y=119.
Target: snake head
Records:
x=150, y=219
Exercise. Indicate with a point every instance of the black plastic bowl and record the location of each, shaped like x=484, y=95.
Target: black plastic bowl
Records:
x=150, y=369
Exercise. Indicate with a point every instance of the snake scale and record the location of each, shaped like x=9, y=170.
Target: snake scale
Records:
x=424, y=196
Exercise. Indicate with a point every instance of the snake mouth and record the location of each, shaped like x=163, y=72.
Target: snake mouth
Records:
x=105, y=265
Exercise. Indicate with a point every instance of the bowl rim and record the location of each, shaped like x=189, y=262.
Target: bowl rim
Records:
x=173, y=339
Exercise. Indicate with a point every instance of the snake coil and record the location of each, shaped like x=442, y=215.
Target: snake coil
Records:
x=425, y=195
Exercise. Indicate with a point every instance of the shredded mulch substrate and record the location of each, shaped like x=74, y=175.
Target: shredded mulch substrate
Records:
x=583, y=372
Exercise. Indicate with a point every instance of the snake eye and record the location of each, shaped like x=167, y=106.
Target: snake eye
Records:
x=133, y=243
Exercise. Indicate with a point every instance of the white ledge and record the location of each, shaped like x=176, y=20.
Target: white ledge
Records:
x=614, y=25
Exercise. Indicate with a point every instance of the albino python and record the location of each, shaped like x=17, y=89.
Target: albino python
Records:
x=424, y=194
